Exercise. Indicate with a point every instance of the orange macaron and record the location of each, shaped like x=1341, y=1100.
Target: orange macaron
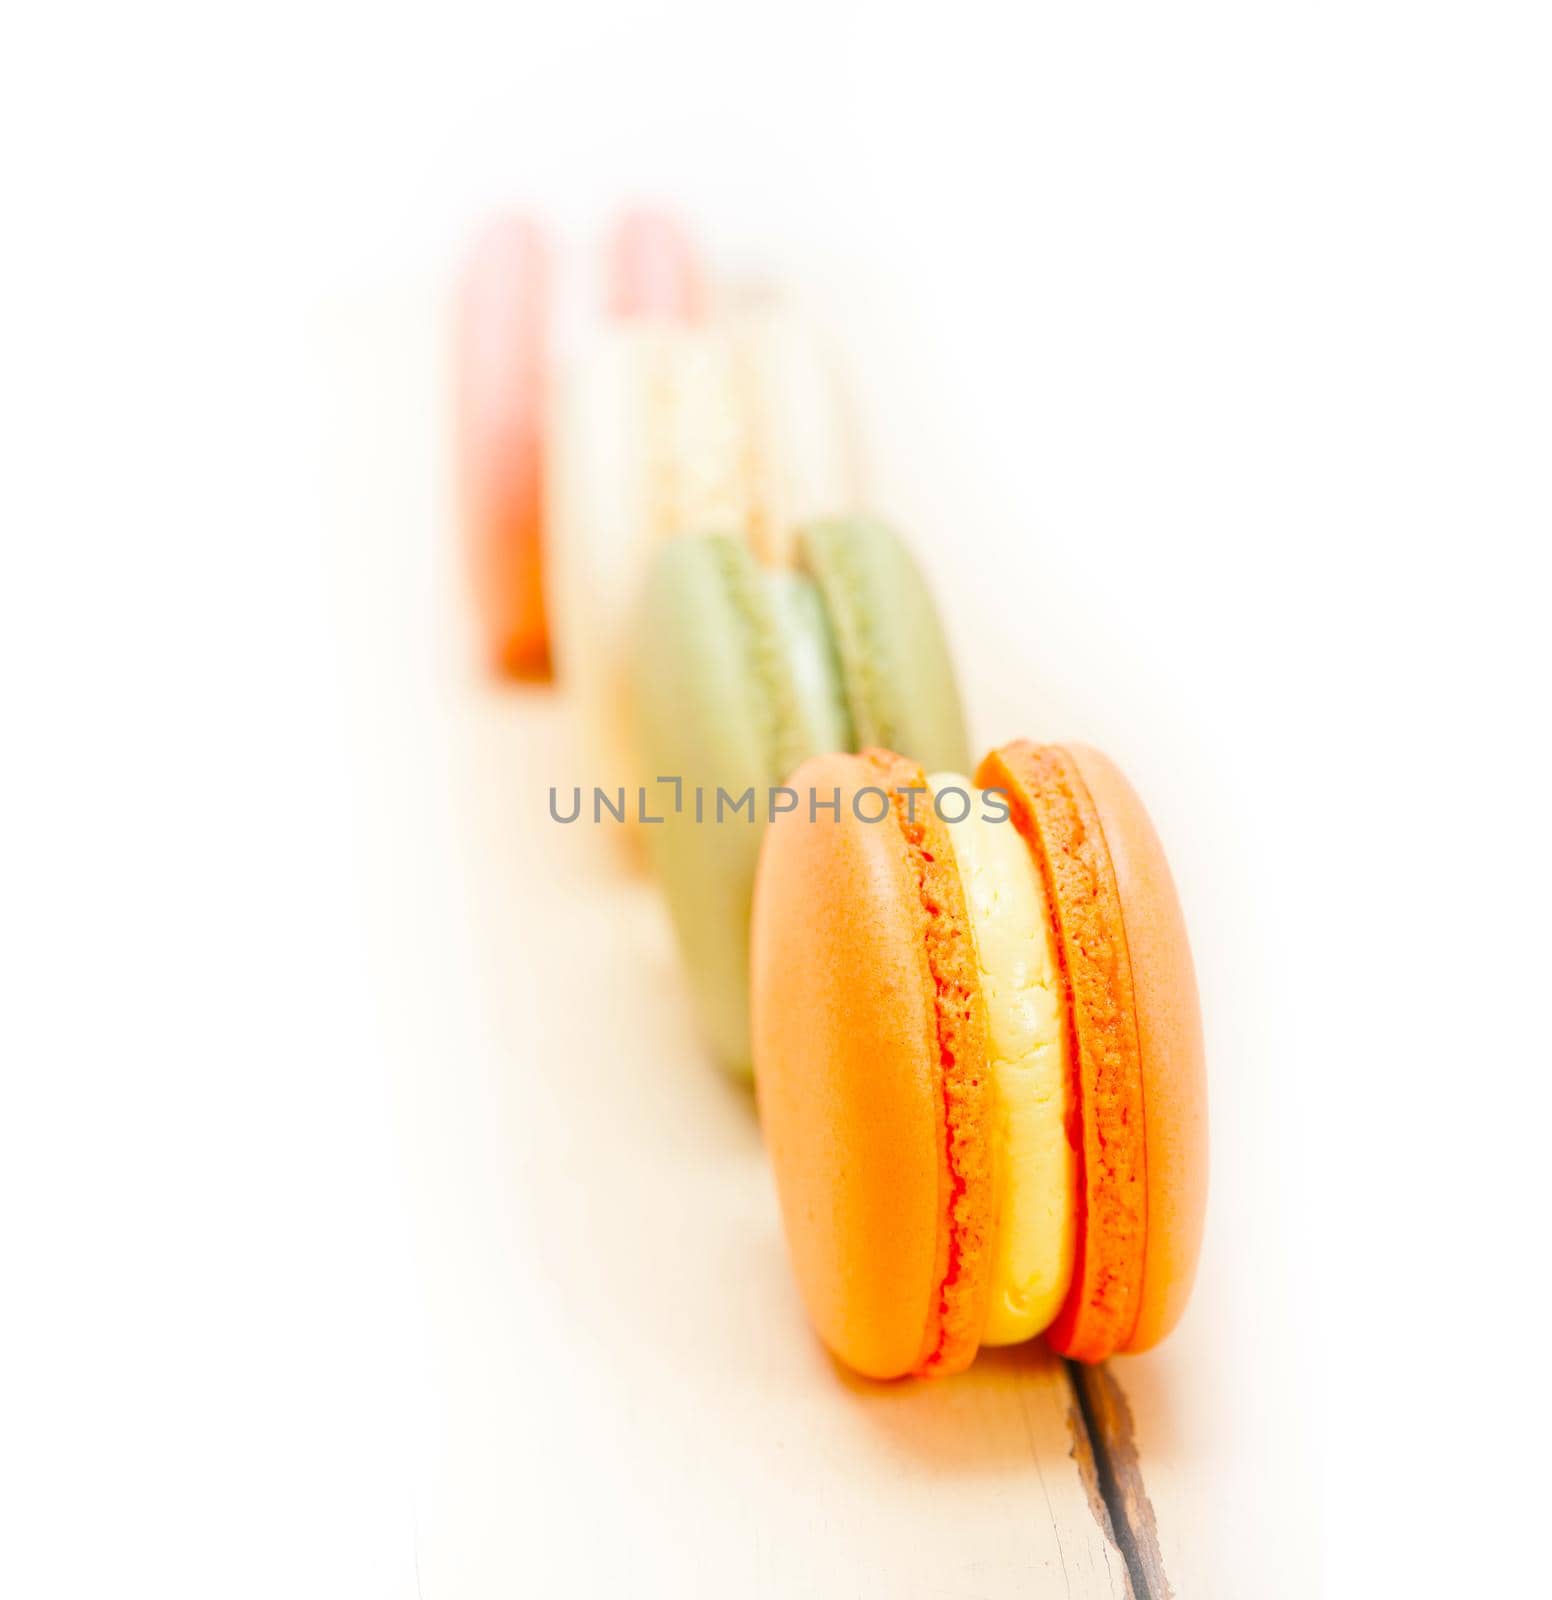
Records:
x=979, y=1060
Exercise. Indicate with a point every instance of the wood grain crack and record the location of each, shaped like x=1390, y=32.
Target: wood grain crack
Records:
x=1104, y=1446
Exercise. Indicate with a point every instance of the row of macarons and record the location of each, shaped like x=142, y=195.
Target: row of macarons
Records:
x=967, y=999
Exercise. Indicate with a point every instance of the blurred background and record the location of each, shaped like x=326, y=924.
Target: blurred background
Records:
x=1202, y=352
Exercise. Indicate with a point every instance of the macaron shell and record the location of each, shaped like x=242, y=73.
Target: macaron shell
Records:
x=1052, y=808
x=816, y=673
x=1169, y=1033
x=501, y=358
x=965, y=1077
x=715, y=706
x=598, y=543
x=805, y=447
x=653, y=269
x=849, y=1074
x=901, y=687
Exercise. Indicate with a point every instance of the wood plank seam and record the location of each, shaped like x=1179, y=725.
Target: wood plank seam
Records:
x=1084, y=1458
x=1107, y=1423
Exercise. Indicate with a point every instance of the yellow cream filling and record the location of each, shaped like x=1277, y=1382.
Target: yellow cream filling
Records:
x=1032, y=1162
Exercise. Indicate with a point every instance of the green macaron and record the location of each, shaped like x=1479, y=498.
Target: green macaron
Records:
x=739, y=674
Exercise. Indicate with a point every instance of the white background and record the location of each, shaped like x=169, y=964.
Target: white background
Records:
x=1206, y=349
